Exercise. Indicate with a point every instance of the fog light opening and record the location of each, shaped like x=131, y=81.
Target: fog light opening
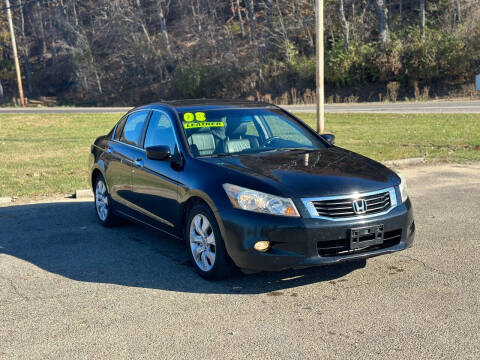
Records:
x=262, y=246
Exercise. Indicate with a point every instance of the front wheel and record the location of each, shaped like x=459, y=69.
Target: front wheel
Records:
x=205, y=244
x=103, y=202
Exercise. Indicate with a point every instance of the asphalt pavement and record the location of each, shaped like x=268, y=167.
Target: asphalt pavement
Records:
x=72, y=289
x=434, y=107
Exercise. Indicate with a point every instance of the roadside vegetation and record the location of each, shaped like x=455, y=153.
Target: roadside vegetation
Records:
x=48, y=154
x=118, y=52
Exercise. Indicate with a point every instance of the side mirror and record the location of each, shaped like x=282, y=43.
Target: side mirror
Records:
x=330, y=138
x=176, y=160
x=159, y=153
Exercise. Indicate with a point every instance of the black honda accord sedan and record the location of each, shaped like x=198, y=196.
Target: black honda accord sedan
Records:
x=249, y=185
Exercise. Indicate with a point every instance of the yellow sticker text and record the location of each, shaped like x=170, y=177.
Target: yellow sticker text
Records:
x=191, y=125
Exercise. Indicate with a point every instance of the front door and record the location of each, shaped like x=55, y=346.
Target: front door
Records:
x=155, y=185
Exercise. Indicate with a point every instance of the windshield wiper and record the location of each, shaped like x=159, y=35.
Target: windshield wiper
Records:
x=288, y=149
x=257, y=152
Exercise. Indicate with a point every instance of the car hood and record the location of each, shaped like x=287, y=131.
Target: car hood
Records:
x=311, y=173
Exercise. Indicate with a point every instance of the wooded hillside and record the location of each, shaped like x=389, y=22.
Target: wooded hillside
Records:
x=108, y=52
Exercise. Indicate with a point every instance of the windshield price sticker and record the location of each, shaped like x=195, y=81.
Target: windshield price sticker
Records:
x=198, y=119
x=192, y=125
x=199, y=116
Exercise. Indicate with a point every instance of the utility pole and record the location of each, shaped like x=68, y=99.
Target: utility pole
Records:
x=15, y=54
x=320, y=79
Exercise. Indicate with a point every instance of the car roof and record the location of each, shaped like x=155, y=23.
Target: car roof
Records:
x=206, y=104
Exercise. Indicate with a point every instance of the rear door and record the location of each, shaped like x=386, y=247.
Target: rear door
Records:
x=114, y=171
x=155, y=183
x=126, y=148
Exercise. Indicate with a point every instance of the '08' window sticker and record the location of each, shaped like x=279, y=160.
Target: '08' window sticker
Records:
x=198, y=119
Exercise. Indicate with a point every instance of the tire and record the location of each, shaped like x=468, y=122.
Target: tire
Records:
x=205, y=245
x=103, y=202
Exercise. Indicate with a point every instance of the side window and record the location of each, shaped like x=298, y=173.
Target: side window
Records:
x=160, y=131
x=251, y=129
x=119, y=129
x=133, y=128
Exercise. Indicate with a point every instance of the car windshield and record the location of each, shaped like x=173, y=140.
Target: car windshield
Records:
x=239, y=131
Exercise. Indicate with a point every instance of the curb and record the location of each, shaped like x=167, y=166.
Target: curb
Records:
x=405, y=162
x=83, y=194
x=5, y=200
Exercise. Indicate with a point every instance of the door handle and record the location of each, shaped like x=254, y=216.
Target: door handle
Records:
x=139, y=162
x=110, y=149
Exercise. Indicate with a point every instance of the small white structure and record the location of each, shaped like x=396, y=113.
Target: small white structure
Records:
x=478, y=82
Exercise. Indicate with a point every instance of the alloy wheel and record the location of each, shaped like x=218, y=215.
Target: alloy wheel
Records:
x=202, y=242
x=101, y=200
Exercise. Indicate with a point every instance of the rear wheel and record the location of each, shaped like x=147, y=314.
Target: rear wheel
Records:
x=103, y=202
x=205, y=244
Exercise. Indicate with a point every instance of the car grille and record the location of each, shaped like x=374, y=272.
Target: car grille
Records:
x=342, y=246
x=343, y=207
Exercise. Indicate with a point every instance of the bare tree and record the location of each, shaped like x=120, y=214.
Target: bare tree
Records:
x=130, y=50
x=422, y=17
x=252, y=21
x=25, y=49
x=458, y=11
x=268, y=6
x=239, y=9
x=195, y=6
x=40, y=26
x=345, y=25
x=382, y=13
x=162, y=6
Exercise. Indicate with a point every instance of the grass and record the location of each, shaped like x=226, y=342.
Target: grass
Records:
x=439, y=137
x=48, y=154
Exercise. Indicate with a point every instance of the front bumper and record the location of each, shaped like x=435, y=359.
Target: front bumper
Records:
x=301, y=242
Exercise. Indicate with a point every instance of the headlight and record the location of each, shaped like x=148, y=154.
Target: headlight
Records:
x=403, y=187
x=251, y=200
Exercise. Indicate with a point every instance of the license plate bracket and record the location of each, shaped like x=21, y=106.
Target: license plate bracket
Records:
x=364, y=237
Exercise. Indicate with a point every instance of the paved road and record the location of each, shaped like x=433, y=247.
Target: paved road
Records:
x=437, y=107
x=71, y=289
x=428, y=107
